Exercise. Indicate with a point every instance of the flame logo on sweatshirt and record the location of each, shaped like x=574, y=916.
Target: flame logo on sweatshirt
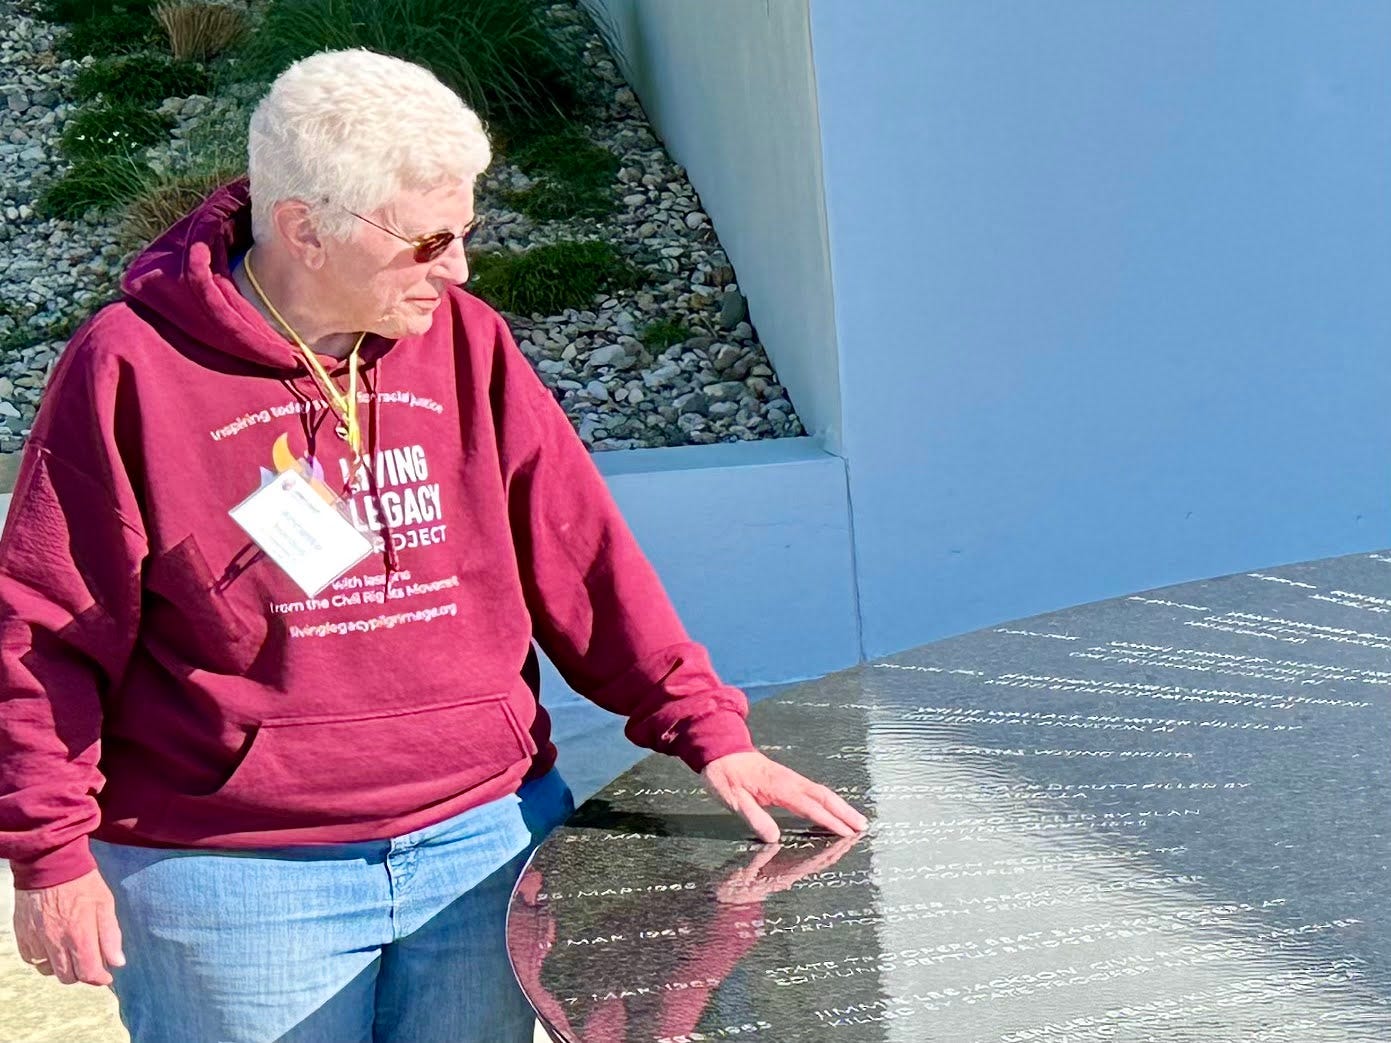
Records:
x=284, y=460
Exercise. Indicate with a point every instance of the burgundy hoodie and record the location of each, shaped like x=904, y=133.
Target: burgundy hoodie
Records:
x=164, y=684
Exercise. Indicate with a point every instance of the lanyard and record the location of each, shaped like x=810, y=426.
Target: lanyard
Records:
x=344, y=405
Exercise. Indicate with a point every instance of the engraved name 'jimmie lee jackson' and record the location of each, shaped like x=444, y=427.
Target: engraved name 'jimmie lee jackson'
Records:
x=1158, y=817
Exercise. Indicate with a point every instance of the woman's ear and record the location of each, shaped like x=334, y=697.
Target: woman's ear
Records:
x=294, y=224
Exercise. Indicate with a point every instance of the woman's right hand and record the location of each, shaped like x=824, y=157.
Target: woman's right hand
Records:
x=69, y=930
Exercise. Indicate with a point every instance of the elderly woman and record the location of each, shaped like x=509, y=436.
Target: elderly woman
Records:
x=289, y=521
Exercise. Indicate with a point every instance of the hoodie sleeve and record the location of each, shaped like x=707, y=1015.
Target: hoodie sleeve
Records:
x=70, y=559
x=598, y=609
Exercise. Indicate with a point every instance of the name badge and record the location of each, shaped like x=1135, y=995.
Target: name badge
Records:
x=301, y=531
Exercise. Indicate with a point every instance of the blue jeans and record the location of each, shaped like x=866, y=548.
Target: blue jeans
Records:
x=386, y=940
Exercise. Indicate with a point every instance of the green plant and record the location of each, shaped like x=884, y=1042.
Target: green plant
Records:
x=218, y=135
x=548, y=279
x=145, y=79
x=115, y=32
x=497, y=54
x=15, y=340
x=574, y=177
x=81, y=10
x=112, y=128
x=201, y=29
x=662, y=334
x=105, y=182
x=210, y=155
x=167, y=199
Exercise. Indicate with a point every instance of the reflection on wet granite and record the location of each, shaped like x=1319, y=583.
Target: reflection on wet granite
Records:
x=1161, y=817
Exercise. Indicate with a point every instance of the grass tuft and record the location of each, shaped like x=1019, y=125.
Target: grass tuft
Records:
x=496, y=53
x=113, y=32
x=113, y=128
x=60, y=328
x=213, y=154
x=72, y=11
x=104, y=182
x=145, y=79
x=574, y=177
x=546, y=280
x=201, y=29
x=662, y=334
x=167, y=199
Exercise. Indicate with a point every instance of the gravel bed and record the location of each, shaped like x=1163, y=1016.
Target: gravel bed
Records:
x=716, y=386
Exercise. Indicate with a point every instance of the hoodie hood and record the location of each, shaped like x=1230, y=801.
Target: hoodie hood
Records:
x=185, y=278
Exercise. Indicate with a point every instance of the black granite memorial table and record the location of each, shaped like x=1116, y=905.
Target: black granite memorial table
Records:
x=1160, y=817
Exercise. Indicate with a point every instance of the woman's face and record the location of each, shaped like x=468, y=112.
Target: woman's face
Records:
x=385, y=289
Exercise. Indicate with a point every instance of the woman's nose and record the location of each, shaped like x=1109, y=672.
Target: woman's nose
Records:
x=452, y=265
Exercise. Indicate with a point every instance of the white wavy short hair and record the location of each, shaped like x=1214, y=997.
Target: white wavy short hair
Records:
x=348, y=130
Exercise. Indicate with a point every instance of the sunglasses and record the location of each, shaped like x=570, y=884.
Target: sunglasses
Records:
x=428, y=247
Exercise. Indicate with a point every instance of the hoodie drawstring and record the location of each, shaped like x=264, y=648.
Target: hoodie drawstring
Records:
x=310, y=416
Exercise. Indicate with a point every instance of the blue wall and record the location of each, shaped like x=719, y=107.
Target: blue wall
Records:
x=1113, y=294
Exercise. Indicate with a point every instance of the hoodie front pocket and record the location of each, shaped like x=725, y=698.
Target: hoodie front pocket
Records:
x=372, y=765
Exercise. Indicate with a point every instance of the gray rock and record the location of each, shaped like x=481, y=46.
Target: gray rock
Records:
x=743, y=331
x=550, y=366
x=725, y=357
x=17, y=100
x=8, y=410
x=609, y=355
x=695, y=220
x=596, y=389
x=692, y=402
x=740, y=369
x=733, y=308
x=662, y=376
x=728, y=391
x=636, y=199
